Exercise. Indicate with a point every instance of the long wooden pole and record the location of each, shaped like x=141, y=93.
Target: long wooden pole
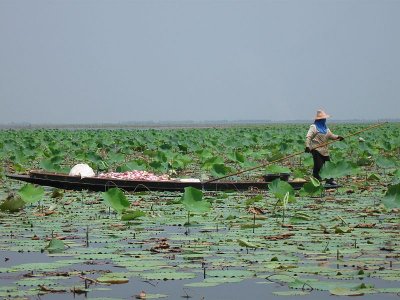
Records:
x=297, y=153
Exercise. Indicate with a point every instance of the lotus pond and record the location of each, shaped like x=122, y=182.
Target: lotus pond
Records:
x=275, y=244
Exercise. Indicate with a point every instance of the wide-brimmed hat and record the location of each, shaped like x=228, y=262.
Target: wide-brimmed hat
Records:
x=321, y=115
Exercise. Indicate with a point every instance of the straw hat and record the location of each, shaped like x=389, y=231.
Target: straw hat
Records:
x=321, y=115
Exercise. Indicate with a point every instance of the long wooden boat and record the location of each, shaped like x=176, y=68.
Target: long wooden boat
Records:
x=67, y=182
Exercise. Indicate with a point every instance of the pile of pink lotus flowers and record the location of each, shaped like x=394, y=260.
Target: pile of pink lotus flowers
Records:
x=135, y=175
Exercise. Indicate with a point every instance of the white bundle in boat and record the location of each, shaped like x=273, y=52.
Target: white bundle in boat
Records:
x=189, y=180
x=82, y=170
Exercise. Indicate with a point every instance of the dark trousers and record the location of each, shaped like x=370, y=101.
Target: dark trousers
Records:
x=319, y=161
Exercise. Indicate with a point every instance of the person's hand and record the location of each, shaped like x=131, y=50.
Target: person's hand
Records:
x=340, y=138
x=307, y=150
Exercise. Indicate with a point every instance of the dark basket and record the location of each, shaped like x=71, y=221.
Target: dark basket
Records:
x=272, y=177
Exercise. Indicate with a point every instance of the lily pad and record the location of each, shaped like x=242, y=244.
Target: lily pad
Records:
x=193, y=201
x=279, y=189
x=55, y=246
x=392, y=196
x=132, y=215
x=339, y=169
x=116, y=199
x=13, y=203
x=113, y=278
x=168, y=275
x=31, y=194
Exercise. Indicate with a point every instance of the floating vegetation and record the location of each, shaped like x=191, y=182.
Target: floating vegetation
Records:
x=340, y=242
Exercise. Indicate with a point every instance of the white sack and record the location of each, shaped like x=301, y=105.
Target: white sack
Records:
x=189, y=180
x=82, y=170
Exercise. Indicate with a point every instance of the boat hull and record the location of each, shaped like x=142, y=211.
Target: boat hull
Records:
x=63, y=181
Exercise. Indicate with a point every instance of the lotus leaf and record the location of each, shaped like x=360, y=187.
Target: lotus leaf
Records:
x=55, y=246
x=275, y=169
x=392, y=196
x=254, y=199
x=385, y=162
x=339, y=291
x=214, y=281
x=116, y=199
x=247, y=244
x=291, y=293
x=31, y=194
x=167, y=275
x=374, y=177
x=218, y=170
x=340, y=169
x=13, y=203
x=132, y=215
x=310, y=189
x=231, y=273
x=132, y=165
x=279, y=189
x=113, y=278
x=192, y=199
x=396, y=176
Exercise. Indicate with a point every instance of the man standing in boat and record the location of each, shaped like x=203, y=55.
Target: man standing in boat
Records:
x=319, y=134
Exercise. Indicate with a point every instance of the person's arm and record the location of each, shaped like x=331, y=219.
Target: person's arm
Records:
x=332, y=136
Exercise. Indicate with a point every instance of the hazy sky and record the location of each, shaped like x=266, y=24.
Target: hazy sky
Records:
x=83, y=61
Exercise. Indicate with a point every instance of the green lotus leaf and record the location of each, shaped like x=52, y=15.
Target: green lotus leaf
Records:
x=275, y=169
x=388, y=290
x=31, y=194
x=14, y=292
x=218, y=170
x=57, y=193
x=339, y=169
x=210, y=161
x=113, y=278
x=315, y=182
x=94, y=157
x=19, y=168
x=291, y=293
x=374, y=177
x=13, y=203
x=116, y=199
x=386, y=163
x=34, y=282
x=311, y=188
x=55, y=246
x=251, y=225
x=303, y=216
x=132, y=165
x=279, y=189
x=159, y=166
x=115, y=158
x=214, y=281
x=193, y=201
x=392, y=197
x=247, y=244
x=231, y=273
x=396, y=176
x=253, y=200
x=339, y=291
x=237, y=156
x=203, y=284
x=49, y=165
x=342, y=229
x=155, y=296
x=169, y=274
x=326, y=285
x=132, y=215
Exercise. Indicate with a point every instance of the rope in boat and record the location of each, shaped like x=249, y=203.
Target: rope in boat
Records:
x=296, y=153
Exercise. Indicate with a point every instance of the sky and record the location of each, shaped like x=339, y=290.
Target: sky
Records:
x=111, y=61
